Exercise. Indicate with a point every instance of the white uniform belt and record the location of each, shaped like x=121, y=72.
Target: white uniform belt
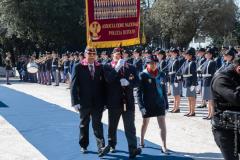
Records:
x=171, y=72
x=206, y=75
x=187, y=75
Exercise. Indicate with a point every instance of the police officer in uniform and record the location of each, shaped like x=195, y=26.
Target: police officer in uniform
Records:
x=147, y=52
x=55, y=70
x=152, y=99
x=88, y=98
x=121, y=78
x=208, y=70
x=127, y=56
x=66, y=67
x=137, y=61
x=173, y=68
x=162, y=63
x=228, y=57
x=200, y=60
x=218, y=57
x=225, y=88
x=189, y=74
x=104, y=58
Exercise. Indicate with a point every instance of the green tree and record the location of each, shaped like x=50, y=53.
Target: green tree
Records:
x=48, y=23
x=180, y=21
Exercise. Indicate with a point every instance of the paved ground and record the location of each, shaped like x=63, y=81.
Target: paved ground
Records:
x=189, y=137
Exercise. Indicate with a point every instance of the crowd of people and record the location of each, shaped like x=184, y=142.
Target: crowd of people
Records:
x=186, y=72
x=103, y=80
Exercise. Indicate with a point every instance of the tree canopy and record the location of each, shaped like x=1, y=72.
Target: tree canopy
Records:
x=59, y=24
x=47, y=23
x=180, y=21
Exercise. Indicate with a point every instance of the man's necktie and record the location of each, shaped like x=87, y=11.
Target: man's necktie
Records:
x=91, y=71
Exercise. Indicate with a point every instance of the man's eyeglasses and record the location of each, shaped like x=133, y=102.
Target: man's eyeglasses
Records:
x=92, y=53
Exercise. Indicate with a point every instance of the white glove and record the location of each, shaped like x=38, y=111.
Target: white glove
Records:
x=119, y=65
x=77, y=107
x=192, y=88
x=175, y=84
x=143, y=110
x=179, y=77
x=124, y=82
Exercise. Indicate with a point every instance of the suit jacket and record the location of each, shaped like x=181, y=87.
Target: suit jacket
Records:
x=85, y=90
x=116, y=94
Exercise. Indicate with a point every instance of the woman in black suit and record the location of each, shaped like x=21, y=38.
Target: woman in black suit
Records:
x=152, y=98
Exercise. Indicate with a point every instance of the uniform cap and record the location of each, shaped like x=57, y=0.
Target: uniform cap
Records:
x=202, y=50
x=138, y=50
x=117, y=50
x=151, y=58
x=191, y=51
x=90, y=49
x=231, y=52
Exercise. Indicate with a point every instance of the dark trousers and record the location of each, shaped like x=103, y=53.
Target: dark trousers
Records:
x=225, y=141
x=129, y=127
x=96, y=115
x=7, y=75
x=48, y=77
x=56, y=76
x=20, y=74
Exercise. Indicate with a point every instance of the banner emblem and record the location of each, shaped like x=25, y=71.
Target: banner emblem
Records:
x=112, y=22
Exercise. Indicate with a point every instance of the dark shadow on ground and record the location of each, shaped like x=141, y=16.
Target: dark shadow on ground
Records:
x=54, y=130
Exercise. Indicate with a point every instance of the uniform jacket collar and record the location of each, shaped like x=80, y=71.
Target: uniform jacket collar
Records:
x=85, y=63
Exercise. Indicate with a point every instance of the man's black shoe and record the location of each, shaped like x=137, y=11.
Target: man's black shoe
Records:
x=104, y=151
x=135, y=152
x=83, y=150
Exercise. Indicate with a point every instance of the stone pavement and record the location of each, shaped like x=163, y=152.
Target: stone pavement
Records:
x=188, y=137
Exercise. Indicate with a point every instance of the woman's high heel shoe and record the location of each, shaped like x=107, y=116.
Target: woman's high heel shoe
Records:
x=176, y=111
x=142, y=145
x=192, y=115
x=165, y=151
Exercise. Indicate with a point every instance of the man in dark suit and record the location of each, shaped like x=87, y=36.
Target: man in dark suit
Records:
x=87, y=94
x=121, y=78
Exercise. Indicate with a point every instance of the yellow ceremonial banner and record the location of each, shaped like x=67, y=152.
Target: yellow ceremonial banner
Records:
x=111, y=23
